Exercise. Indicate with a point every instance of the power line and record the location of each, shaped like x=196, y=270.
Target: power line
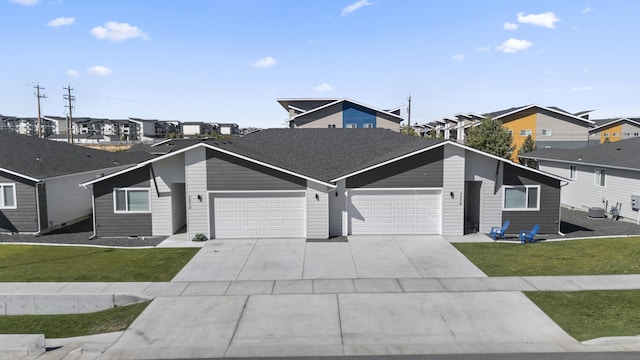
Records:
x=39, y=96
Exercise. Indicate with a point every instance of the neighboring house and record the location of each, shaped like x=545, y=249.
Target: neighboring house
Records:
x=549, y=127
x=338, y=113
x=198, y=128
x=602, y=176
x=319, y=183
x=39, y=181
x=228, y=129
x=614, y=130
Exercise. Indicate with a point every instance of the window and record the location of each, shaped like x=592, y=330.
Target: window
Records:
x=636, y=134
x=131, y=200
x=525, y=132
x=546, y=132
x=521, y=197
x=351, y=126
x=573, y=172
x=606, y=134
x=331, y=126
x=367, y=125
x=8, y=196
x=599, y=178
x=615, y=134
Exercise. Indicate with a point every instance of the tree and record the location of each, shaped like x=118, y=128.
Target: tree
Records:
x=409, y=130
x=491, y=137
x=528, y=145
x=606, y=140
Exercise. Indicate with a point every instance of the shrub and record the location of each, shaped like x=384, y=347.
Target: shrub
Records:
x=199, y=237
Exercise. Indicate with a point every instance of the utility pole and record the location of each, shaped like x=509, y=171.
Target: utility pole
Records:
x=39, y=96
x=71, y=100
x=409, y=112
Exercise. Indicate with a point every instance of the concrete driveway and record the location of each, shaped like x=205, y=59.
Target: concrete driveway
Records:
x=408, y=256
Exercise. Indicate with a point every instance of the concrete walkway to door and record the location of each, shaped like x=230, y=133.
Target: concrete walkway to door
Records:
x=362, y=257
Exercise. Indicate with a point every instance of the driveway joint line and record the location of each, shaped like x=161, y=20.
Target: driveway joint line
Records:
x=246, y=260
x=353, y=260
x=407, y=256
x=235, y=329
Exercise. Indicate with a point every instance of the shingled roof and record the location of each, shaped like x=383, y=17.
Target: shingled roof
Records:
x=40, y=158
x=618, y=154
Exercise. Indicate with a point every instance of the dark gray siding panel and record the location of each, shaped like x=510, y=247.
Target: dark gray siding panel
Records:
x=42, y=200
x=225, y=172
x=25, y=217
x=108, y=223
x=549, y=213
x=422, y=170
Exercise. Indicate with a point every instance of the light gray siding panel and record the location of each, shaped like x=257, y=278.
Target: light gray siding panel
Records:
x=167, y=172
x=453, y=183
x=385, y=121
x=317, y=211
x=418, y=171
x=196, y=185
x=225, y=172
x=582, y=193
x=482, y=168
x=548, y=217
x=24, y=218
x=109, y=223
x=321, y=118
x=338, y=210
x=66, y=200
x=564, y=129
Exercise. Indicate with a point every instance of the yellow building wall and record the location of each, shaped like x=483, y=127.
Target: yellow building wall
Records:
x=525, y=123
x=614, y=129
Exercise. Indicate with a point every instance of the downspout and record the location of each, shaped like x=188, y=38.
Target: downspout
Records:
x=93, y=215
x=39, y=183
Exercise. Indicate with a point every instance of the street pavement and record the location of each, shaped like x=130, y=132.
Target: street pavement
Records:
x=392, y=295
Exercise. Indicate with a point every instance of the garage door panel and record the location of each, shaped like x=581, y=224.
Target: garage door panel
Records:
x=251, y=215
x=394, y=211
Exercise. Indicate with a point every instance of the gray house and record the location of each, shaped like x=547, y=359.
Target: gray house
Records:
x=319, y=183
x=39, y=181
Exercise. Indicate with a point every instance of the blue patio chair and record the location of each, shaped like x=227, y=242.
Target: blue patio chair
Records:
x=526, y=235
x=499, y=232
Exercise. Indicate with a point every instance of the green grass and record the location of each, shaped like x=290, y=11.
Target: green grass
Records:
x=63, y=326
x=592, y=314
x=576, y=257
x=29, y=263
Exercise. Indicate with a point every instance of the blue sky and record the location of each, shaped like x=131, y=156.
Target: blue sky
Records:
x=228, y=61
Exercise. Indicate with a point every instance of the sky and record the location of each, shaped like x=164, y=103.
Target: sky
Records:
x=228, y=61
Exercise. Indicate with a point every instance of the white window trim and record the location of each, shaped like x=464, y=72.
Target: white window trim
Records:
x=546, y=132
x=525, y=132
x=367, y=125
x=348, y=126
x=527, y=187
x=115, y=207
x=573, y=172
x=603, y=174
x=15, y=198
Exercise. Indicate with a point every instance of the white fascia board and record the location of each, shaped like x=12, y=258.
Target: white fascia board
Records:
x=351, y=101
x=613, y=122
x=19, y=175
x=506, y=161
x=545, y=108
x=581, y=163
x=387, y=162
x=224, y=151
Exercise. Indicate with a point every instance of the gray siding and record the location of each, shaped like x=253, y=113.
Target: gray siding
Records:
x=483, y=168
x=41, y=190
x=196, y=186
x=317, y=211
x=338, y=224
x=549, y=214
x=167, y=172
x=453, y=191
x=226, y=172
x=108, y=223
x=66, y=201
x=321, y=118
x=421, y=170
x=24, y=218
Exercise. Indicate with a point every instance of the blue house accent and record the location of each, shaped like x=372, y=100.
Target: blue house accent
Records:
x=357, y=116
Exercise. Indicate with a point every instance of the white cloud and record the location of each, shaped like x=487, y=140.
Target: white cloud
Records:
x=484, y=48
x=548, y=19
x=583, y=88
x=116, y=31
x=510, y=26
x=514, y=45
x=99, y=70
x=587, y=10
x=25, y=2
x=61, y=21
x=324, y=87
x=72, y=73
x=458, y=57
x=265, y=62
x=355, y=6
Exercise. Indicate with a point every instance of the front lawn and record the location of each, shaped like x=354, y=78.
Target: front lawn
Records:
x=574, y=257
x=64, y=326
x=31, y=263
x=592, y=314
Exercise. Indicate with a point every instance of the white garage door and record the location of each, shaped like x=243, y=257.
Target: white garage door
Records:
x=257, y=215
x=394, y=211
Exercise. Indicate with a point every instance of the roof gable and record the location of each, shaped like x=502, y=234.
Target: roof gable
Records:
x=508, y=112
x=328, y=104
